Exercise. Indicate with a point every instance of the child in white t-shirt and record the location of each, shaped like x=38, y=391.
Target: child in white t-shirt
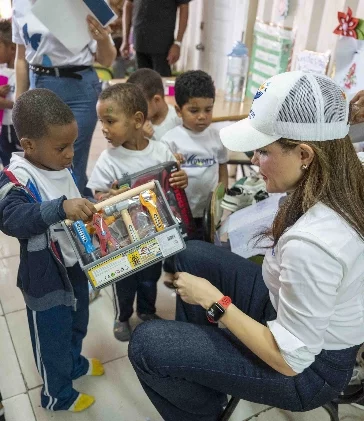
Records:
x=9, y=142
x=122, y=110
x=198, y=145
x=162, y=117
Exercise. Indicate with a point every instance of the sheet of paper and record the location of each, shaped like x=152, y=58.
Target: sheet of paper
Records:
x=245, y=224
x=66, y=19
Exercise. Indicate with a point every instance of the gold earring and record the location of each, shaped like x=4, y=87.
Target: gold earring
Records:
x=304, y=167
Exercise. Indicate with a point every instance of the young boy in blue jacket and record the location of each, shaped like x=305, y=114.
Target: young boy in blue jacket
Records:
x=37, y=192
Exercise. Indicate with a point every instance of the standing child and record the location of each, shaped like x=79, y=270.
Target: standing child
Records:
x=38, y=192
x=162, y=117
x=122, y=110
x=9, y=142
x=198, y=144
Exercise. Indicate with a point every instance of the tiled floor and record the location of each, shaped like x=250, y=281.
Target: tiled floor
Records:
x=119, y=396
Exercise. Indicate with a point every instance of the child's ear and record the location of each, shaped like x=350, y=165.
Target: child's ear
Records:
x=157, y=98
x=178, y=111
x=27, y=144
x=139, y=120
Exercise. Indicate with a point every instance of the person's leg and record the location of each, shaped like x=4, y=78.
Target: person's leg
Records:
x=9, y=143
x=143, y=60
x=147, y=289
x=51, y=335
x=233, y=275
x=80, y=319
x=81, y=96
x=160, y=65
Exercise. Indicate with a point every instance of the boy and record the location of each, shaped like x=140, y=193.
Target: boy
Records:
x=122, y=110
x=198, y=144
x=9, y=142
x=162, y=117
x=37, y=193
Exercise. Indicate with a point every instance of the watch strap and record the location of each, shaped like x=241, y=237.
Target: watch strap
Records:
x=225, y=302
x=179, y=43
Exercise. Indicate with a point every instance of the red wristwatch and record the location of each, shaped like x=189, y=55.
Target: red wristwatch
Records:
x=216, y=311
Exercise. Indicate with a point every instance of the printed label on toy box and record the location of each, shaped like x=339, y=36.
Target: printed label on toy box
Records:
x=170, y=242
x=119, y=266
x=109, y=270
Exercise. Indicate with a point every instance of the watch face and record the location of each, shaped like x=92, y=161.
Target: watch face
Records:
x=215, y=312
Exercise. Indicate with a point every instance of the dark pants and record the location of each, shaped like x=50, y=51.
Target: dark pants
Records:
x=157, y=62
x=57, y=336
x=81, y=96
x=9, y=143
x=187, y=366
x=144, y=284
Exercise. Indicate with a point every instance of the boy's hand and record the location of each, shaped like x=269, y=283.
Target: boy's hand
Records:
x=179, y=179
x=179, y=157
x=4, y=90
x=77, y=209
x=148, y=129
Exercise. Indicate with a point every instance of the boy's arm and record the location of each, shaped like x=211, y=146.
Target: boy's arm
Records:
x=21, y=219
x=223, y=175
x=21, y=71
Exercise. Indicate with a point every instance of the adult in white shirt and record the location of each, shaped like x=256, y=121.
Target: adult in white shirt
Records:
x=294, y=327
x=71, y=76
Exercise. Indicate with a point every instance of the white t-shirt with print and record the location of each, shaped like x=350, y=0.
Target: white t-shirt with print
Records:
x=41, y=47
x=115, y=163
x=10, y=74
x=203, y=153
x=50, y=185
x=170, y=122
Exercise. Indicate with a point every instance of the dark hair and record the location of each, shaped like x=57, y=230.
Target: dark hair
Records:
x=193, y=84
x=38, y=109
x=149, y=81
x=5, y=31
x=129, y=98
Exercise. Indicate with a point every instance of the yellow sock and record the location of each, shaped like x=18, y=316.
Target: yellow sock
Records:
x=81, y=403
x=95, y=368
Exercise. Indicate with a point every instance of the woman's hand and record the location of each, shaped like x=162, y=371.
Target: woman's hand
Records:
x=98, y=32
x=357, y=111
x=195, y=290
x=4, y=90
x=179, y=179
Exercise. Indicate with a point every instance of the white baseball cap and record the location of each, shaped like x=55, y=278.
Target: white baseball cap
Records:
x=292, y=105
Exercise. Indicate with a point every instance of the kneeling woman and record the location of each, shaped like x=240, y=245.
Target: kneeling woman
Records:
x=295, y=323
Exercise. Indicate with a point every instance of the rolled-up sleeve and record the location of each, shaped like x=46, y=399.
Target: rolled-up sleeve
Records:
x=309, y=280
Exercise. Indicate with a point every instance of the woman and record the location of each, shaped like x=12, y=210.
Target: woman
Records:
x=295, y=324
x=70, y=76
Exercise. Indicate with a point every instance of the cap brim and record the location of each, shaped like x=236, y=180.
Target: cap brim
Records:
x=242, y=137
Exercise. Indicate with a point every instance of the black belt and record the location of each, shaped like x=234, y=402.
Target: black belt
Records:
x=59, y=71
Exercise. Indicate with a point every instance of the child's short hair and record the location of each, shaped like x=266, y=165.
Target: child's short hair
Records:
x=38, y=109
x=149, y=81
x=129, y=98
x=193, y=84
x=5, y=31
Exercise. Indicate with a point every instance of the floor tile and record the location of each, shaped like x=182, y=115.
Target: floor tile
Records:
x=10, y=296
x=119, y=397
x=346, y=413
x=246, y=409
x=1, y=310
x=19, y=330
x=11, y=380
x=19, y=408
x=9, y=246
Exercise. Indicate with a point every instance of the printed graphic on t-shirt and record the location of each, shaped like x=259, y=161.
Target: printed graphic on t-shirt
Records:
x=194, y=161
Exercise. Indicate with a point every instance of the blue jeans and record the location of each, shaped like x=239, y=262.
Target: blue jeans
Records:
x=57, y=336
x=81, y=96
x=187, y=367
x=142, y=283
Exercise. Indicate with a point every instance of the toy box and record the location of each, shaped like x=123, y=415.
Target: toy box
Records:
x=131, y=231
x=176, y=198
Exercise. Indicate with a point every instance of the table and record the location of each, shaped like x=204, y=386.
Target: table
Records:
x=223, y=110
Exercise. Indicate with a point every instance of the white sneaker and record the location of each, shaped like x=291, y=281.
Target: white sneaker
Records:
x=237, y=198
